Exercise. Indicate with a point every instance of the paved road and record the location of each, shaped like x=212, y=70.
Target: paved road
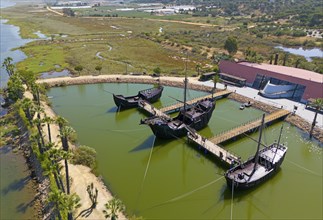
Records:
x=287, y=104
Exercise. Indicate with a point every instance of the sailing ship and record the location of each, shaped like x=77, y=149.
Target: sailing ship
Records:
x=195, y=116
x=151, y=95
x=257, y=169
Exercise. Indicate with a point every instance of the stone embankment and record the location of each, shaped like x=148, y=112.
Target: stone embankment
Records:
x=292, y=118
x=43, y=210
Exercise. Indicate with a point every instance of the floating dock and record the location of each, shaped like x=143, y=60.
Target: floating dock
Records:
x=212, y=146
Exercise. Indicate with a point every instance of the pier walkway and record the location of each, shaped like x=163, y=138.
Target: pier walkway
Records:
x=152, y=110
x=212, y=144
x=176, y=107
x=225, y=136
x=218, y=151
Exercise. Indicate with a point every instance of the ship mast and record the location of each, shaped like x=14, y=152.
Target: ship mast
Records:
x=185, y=85
x=280, y=134
x=258, y=147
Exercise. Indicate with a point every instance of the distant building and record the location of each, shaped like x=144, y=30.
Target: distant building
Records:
x=275, y=81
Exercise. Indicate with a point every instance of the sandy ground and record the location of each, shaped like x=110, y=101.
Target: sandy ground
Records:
x=81, y=177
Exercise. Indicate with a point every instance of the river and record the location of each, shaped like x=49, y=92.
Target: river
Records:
x=17, y=195
x=160, y=179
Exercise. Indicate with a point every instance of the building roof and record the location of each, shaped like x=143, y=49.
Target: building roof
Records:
x=288, y=71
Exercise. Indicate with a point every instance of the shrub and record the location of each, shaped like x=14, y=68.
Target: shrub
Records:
x=86, y=156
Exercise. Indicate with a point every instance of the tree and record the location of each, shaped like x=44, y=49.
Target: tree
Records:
x=68, y=12
x=198, y=67
x=15, y=87
x=65, y=132
x=27, y=106
x=72, y=202
x=78, y=68
x=98, y=68
x=64, y=203
x=9, y=66
x=157, y=70
x=48, y=121
x=58, y=198
x=55, y=155
x=112, y=208
x=318, y=105
x=231, y=45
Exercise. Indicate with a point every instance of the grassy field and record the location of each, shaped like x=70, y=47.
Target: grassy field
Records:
x=128, y=44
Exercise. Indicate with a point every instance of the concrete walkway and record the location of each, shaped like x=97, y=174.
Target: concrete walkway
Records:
x=287, y=104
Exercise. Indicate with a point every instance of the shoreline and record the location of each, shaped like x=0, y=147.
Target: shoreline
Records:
x=295, y=120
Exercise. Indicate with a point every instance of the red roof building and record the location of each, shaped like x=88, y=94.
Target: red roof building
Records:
x=277, y=81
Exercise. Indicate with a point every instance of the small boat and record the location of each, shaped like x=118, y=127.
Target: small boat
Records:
x=258, y=168
x=151, y=95
x=247, y=104
x=242, y=107
x=195, y=116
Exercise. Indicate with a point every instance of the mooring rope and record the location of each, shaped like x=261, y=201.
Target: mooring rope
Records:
x=232, y=199
x=308, y=170
x=188, y=193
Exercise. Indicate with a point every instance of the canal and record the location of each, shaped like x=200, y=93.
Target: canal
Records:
x=16, y=192
x=160, y=179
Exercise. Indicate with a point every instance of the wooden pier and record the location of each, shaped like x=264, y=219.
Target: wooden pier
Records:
x=216, y=150
x=212, y=146
x=232, y=133
x=152, y=110
x=176, y=107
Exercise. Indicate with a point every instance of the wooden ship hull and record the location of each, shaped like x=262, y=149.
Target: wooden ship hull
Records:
x=242, y=176
x=151, y=95
x=196, y=117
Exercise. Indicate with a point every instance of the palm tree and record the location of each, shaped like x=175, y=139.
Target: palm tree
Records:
x=65, y=132
x=72, y=203
x=318, y=105
x=55, y=155
x=58, y=198
x=27, y=105
x=48, y=121
x=112, y=208
x=7, y=63
x=50, y=168
x=38, y=122
x=65, y=203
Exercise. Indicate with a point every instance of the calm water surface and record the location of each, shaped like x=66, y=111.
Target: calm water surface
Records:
x=160, y=179
x=16, y=193
x=17, y=196
x=307, y=53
